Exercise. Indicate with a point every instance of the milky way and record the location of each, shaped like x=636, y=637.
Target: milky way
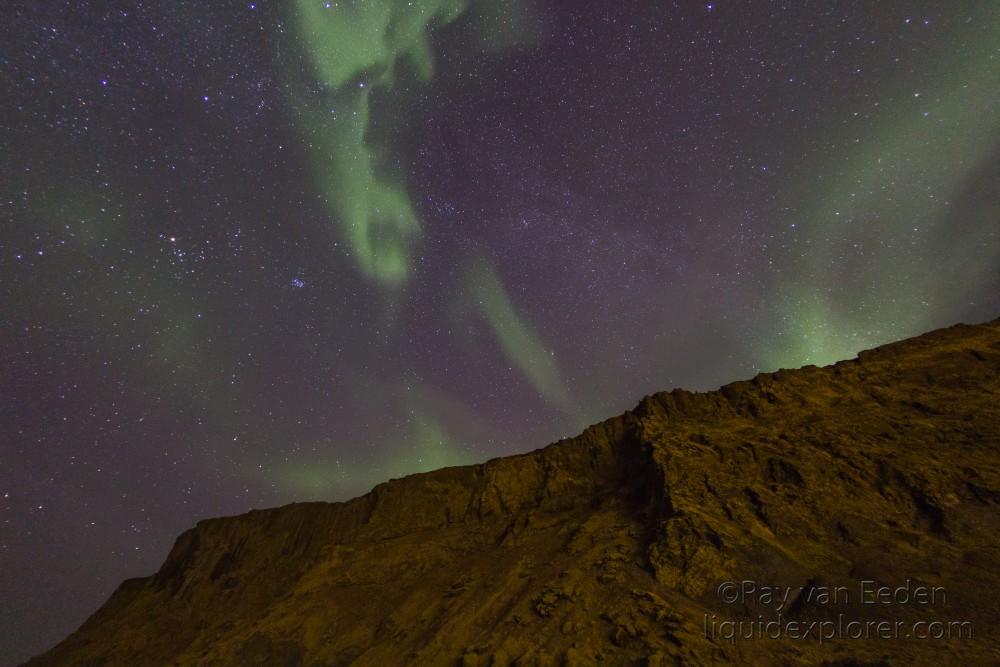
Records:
x=263, y=252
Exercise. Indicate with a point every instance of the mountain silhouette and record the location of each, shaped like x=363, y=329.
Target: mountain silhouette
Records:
x=696, y=529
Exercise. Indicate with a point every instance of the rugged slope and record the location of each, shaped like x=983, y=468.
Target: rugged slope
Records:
x=611, y=547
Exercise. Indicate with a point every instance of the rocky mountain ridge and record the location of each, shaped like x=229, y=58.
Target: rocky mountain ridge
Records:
x=635, y=542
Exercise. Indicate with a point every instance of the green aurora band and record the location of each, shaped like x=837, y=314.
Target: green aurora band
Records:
x=520, y=342
x=357, y=51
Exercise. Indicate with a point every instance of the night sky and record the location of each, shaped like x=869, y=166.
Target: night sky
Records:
x=260, y=252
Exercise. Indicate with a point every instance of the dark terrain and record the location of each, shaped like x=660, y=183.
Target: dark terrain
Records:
x=610, y=547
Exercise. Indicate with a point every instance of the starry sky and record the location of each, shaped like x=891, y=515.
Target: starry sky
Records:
x=259, y=252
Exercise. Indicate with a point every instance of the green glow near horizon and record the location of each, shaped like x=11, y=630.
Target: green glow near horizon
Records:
x=876, y=217
x=421, y=444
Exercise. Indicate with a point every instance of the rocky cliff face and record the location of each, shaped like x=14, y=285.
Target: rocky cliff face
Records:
x=641, y=541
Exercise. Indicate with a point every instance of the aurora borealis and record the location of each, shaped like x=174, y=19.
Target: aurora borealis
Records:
x=263, y=252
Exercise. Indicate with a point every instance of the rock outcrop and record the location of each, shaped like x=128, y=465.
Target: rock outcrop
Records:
x=641, y=541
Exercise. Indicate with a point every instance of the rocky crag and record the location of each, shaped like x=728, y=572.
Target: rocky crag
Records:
x=634, y=543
